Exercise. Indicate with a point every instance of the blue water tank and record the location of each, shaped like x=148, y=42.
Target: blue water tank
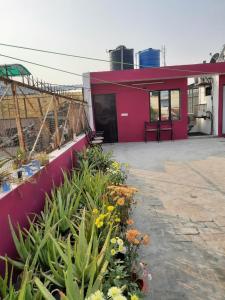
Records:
x=149, y=58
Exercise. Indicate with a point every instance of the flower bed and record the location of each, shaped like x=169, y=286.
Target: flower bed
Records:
x=84, y=244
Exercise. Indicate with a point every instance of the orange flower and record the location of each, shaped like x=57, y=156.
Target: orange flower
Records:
x=132, y=235
x=136, y=242
x=146, y=239
x=130, y=222
x=120, y=201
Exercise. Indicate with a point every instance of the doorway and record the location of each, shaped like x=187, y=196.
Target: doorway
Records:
x=223, y=128
x=200, y=108
x=105, y=116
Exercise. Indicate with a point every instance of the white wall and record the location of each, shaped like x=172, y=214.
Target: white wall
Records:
x=212, y=106
x=88, y=99
x=215, y=95
x=203, y=125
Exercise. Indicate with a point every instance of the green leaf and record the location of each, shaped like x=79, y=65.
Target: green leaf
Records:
x=44, y=291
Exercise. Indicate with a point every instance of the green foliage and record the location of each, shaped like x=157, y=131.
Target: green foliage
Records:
x=4, y=174
x=95, y=158
x=118, y=275
x=64, y=252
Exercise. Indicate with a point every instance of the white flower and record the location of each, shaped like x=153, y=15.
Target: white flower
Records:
x=114, y=291
x=96, y=296
x=119, y=297
x=123, y=249
x=120, y=242
x=149, y=276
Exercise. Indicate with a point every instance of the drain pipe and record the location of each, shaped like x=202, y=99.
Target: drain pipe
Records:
x=212, y=113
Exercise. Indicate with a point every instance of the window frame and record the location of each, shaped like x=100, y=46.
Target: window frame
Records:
x=159, y=105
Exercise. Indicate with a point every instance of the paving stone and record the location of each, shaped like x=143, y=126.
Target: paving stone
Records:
x=182, y=207
x=187, y=231
x=220, y=221
x=201, y=219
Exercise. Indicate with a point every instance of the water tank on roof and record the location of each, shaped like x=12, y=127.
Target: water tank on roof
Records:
x=149, y=58
x=121, y=58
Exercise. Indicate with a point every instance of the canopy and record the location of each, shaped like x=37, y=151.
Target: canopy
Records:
x=13, y=70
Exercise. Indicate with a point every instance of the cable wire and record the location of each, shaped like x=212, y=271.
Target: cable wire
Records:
x=96, y=59
x=73, y=73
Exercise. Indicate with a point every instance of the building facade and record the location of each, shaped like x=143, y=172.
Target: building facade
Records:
x=120, y=102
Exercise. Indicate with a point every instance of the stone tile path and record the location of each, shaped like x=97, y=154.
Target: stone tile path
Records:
x=181, y=205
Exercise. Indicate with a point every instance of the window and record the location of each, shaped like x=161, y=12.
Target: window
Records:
x=193, y=96
x=208, y=91
x=175, y=104
x=164, y=105
x=154, y=106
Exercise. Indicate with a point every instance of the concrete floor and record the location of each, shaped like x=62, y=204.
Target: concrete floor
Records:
x=181, y=205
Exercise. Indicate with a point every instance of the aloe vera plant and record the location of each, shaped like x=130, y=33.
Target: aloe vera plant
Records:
x=63, y=250
x=82, y=265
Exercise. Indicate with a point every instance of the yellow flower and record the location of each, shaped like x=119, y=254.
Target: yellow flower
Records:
x=102, y=217
x=113, y=241
x=114, y=291
x=110, y=208
x=117, y=220
x=95, y=211
x=121, y=248
x=113, y=252
x=134, y=297
x=99, y=223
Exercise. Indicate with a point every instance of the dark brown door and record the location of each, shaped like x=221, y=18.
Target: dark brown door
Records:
x=105, y=116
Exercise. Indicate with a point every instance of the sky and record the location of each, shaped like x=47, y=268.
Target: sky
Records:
x=190, y=30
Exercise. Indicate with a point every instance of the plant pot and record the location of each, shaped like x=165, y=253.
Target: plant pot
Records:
x=36, y=164
x=6, y=187
x=135, y=278
x=28, y=170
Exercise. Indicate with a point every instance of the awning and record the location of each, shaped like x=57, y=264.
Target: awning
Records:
x=13, y=70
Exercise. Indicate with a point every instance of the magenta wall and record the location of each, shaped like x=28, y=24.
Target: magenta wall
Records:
x=136, y=103
x=169, y=72
x=220, y=118
x=29, y=198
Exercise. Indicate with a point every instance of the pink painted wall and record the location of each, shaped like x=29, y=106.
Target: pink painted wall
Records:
x=136, y=103
x=29, y=198
x=220, y=118
x=169, y=72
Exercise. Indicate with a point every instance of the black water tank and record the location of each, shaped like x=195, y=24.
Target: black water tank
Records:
x=121, y=58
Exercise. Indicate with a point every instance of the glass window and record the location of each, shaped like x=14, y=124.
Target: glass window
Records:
x=154, y=106
x=164, y=105
x=175, y=104
x=208, y=91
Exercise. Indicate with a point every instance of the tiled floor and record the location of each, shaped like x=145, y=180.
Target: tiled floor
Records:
x=181, y=204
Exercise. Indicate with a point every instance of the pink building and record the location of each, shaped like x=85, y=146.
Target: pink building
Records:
x=120, y=102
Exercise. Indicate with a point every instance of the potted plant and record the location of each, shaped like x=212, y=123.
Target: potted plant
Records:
x=19, y=159
x=42, y=157
x=4, y=175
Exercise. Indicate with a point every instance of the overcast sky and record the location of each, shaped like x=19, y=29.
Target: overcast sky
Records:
x=190, y=29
